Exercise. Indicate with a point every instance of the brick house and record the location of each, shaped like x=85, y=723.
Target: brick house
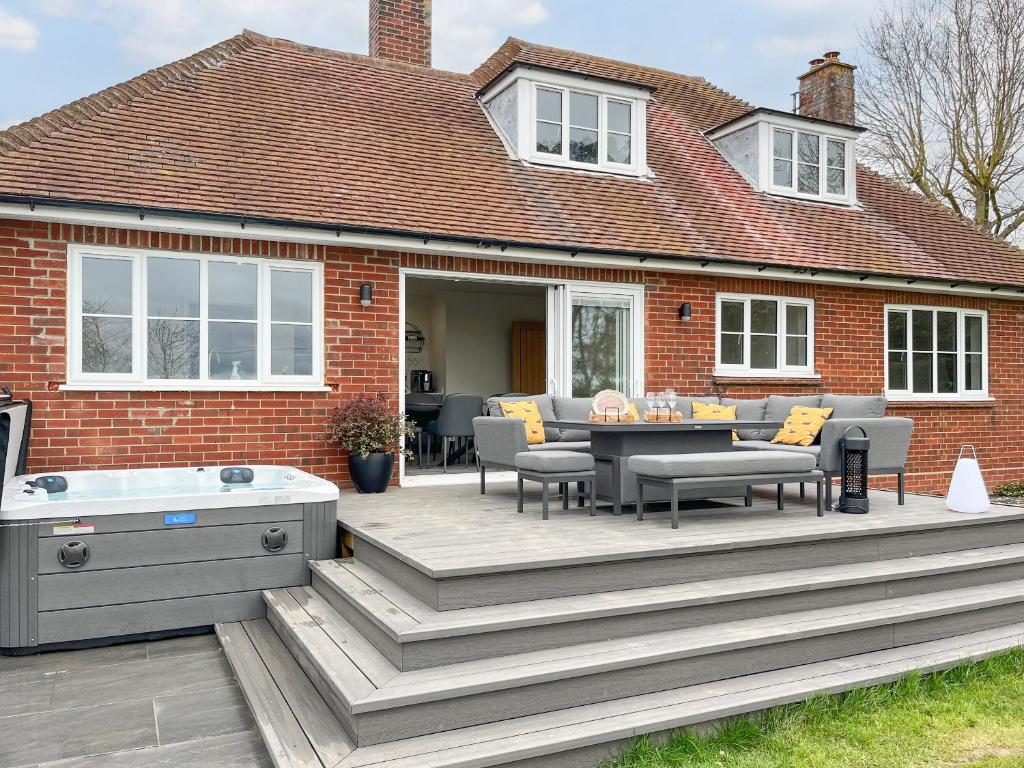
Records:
x=182, y=254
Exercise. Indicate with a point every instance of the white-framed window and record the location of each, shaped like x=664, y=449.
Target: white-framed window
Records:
x=936, y=353
x=764, y=335
x=810, y=164
x=583, y=129
x=168, y=320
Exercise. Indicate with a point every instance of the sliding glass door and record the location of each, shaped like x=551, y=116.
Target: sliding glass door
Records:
x=595, y=339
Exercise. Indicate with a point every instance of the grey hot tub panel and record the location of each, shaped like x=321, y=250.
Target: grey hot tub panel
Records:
x=142, y=575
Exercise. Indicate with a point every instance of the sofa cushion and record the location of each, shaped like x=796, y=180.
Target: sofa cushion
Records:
x=802, y=426
x=555, y=461
x=855, y=406
x=721, y=464
x=562, y=445
x=764, y=445
x=547, y=412
x=748, y=410
x=778, y=407
x=572, y=409
x=715, y=413
x=528, y=412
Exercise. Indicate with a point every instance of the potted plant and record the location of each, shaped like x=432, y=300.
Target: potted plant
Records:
x=371, y=431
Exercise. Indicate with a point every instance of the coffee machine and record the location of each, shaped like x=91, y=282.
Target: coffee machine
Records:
x=422, y=380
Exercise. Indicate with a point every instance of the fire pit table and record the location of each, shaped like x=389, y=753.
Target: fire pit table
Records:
x=612, y=443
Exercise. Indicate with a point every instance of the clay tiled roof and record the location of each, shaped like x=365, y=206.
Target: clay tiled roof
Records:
x=271, y=129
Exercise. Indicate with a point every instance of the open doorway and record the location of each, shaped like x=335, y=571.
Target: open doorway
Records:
x=467, y=337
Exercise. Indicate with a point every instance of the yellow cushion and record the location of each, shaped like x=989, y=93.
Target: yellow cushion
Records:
x=528, y=411
x=802, y=425
x=716, y=413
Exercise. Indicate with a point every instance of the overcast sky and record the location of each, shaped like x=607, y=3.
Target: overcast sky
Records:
x=54, y=51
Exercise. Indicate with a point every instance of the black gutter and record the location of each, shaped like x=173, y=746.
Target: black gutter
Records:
x=426, y=237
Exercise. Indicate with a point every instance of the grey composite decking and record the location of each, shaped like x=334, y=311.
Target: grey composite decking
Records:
x=453, y=548
x=376, y=702
x=584, y=735
x=414, y=636
x=451, y=531
x=465, y=634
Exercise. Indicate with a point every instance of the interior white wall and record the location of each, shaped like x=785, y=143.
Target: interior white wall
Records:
x=479, y=338
x=469, y=333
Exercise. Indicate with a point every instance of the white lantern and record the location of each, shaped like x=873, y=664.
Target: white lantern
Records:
x=967, y=491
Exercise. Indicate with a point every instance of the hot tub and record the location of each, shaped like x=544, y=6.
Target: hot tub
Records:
x=132, y=552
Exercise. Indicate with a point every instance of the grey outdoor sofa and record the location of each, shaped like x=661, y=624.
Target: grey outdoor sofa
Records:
x=499, y=439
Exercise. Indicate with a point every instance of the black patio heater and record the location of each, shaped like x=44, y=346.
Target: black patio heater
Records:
x=853, y=462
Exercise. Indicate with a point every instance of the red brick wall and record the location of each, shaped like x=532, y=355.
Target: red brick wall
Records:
x=400, y=30
x=133, y=429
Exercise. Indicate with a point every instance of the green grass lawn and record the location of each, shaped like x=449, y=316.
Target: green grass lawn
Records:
x=968, y=716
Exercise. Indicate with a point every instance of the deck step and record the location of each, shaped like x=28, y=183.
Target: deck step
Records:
x=584, y=735
x=298, y=729
x=412, y=635
x=378, y=703
x=495, y=571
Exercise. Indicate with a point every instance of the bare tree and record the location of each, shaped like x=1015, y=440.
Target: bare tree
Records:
x=942, y=91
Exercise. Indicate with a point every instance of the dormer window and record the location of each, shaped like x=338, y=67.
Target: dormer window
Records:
x=568, y=120
x=790, y=155
x=591, y=122
x=804, y=172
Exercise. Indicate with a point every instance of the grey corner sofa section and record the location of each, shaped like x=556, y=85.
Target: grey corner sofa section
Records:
x=498, y=439
x=889, y=435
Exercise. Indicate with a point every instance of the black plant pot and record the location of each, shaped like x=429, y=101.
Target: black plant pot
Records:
x=372, y=474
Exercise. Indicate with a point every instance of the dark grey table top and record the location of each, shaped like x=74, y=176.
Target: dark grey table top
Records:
x=687, y=425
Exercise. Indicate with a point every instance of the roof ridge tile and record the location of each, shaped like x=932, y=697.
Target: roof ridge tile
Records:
x=397, y=66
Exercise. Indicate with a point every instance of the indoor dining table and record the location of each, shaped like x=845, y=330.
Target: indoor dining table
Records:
x=612, y=443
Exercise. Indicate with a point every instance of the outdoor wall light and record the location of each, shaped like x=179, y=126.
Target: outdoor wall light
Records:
x=685, y=311
x=366, y=294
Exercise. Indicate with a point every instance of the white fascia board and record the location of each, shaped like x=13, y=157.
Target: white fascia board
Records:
x=790, y=122
x=566, y=80
x=525, y=254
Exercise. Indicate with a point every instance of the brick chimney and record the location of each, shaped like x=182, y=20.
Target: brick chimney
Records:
x=400, y=30
x=826, y=90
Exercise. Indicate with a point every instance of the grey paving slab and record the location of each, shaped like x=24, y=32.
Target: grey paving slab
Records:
x=22, y=698
x=183, y=646
x=143, y=680
x=216, y=712
x=47, y=736
x=241, y=750
x=12, y=667
x=167, y=702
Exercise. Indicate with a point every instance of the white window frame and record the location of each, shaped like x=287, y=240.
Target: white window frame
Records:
x=781, y=369
x=962, y=392
x=602, y=129
x=794, y=189
x=137, y=379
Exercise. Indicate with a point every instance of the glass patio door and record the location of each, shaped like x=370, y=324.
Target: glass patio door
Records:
x=595, y=339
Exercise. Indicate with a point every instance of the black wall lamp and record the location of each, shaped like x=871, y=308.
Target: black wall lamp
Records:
x=366, y=294
x=685, y=311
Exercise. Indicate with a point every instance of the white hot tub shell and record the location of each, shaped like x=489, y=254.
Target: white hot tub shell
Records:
x=132, y=552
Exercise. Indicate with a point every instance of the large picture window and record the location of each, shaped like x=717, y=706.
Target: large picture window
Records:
x=936, y=353
x=765, y=335
x=170, y=320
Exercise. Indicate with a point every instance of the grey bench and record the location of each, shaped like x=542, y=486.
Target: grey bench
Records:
x=562, y=467
x=708, y=471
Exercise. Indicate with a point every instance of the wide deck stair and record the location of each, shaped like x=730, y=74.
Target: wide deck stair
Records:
x=560, y=662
